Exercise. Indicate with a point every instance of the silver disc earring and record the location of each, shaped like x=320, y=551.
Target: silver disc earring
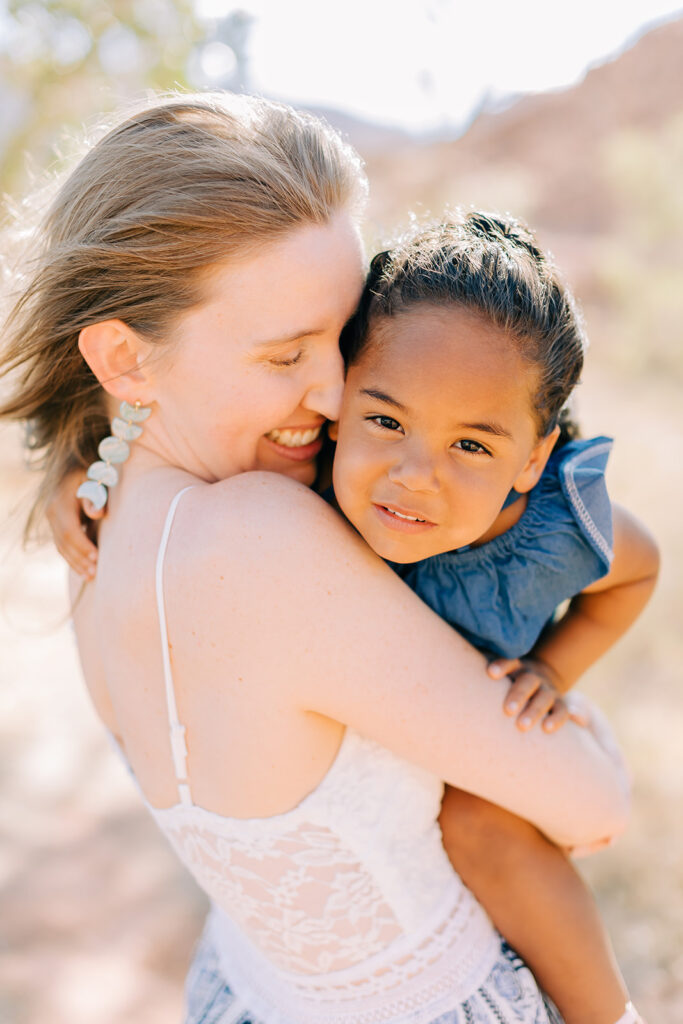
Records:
x=113, y=450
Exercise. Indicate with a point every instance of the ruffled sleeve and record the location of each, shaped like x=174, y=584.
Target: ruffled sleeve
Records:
x=581, y=470
x=501, y=594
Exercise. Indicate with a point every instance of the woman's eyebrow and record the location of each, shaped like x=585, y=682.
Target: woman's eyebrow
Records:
x=382, y=396
x=287, y=338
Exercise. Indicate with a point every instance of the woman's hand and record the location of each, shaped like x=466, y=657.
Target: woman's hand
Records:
x=64, y=514
x=535, y=694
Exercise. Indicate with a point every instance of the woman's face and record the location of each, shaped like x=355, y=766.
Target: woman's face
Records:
x=255, y=370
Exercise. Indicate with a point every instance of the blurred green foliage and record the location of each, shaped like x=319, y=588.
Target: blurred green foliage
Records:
x=62, y=61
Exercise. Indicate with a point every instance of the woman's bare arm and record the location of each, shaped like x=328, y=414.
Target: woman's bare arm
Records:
x=315, y=610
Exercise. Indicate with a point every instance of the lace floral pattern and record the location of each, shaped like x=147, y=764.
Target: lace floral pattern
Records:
x=303, y=897
x=344, y=910
x=336, y=880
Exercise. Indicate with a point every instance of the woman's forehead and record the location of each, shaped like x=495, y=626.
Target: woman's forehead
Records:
x=297, y=285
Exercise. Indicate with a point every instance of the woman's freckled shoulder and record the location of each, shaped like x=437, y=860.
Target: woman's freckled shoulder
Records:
x=262, y=496
x=248, y=516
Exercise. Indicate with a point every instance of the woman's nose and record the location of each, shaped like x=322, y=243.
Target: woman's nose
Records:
x=324, y=394
x=415, y=471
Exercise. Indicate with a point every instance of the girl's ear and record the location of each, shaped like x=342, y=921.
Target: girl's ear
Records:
x=116, y=354
x=540, y=454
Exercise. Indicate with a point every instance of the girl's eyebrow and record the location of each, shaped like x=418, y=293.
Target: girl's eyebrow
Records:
x=488, y=428
x=382, y=396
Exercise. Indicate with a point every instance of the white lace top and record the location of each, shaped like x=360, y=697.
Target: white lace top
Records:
x=344, y=910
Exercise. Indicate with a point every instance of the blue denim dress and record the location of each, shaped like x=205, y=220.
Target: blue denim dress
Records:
x=501, y=594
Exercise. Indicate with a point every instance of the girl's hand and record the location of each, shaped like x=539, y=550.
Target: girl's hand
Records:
x=534, y=695
x=64, y=514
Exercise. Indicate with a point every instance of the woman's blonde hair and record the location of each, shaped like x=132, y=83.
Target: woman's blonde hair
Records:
x=175, y=188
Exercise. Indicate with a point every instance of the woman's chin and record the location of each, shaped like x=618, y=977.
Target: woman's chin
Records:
x=303, y=472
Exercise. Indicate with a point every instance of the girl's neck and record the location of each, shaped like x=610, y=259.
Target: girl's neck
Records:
x=506, y=518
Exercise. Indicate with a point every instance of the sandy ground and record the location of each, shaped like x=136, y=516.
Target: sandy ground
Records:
x=98, y=920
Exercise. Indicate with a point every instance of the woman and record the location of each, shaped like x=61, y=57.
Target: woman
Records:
x=288, y=708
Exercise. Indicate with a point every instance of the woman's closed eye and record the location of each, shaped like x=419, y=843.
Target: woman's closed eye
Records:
x=286, y=360
x=466, y=444
x=384, y=422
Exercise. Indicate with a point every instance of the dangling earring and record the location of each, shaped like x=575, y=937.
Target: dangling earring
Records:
x=113, y=449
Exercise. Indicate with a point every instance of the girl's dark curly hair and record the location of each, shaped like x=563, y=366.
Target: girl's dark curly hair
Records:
x=492, y=265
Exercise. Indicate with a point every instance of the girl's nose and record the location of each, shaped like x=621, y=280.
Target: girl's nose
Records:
x=324, y=394
x=416, y=472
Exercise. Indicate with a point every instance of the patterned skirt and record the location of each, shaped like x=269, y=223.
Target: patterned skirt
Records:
x=508, y=996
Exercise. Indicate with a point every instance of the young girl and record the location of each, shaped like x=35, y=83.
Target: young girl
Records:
x=458, y=464
x=455, y=463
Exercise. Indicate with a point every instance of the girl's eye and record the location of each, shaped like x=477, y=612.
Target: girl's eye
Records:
x=385, y=422
x=289, y=361
x=467, y=445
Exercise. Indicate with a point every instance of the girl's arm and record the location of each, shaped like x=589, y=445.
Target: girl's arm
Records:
x=594, y=621
x=339, y=634
x=601, y=613
x=538, y=901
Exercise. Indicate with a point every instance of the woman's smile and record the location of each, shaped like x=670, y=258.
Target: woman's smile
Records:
x=297, y=443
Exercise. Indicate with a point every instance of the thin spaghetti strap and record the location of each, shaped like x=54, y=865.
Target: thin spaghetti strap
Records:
x=177, y=731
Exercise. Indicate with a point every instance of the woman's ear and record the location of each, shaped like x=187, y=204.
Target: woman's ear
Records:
x=116, y=354
x=540, y=454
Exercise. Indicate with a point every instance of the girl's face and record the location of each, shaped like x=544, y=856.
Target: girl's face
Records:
x=436, y=428
x=255, y=369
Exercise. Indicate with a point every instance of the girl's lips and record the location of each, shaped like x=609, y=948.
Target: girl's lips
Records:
x=387, y=517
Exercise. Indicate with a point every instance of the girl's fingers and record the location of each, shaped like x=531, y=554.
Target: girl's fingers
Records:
x=521, y=691
x=537, y=708
x=579, y=709
x=556, y=717
x=503, y=667
x=74, y=538
x=69, y=535
x=82, y=557
x=83, y=566
x=580, y=718
x=90, y=510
